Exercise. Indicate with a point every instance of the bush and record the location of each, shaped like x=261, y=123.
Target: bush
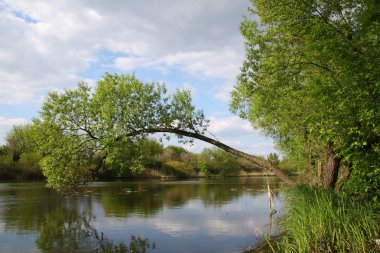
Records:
x=29, y=167
x=177, y=169
x=7, y=167
x=214, y=161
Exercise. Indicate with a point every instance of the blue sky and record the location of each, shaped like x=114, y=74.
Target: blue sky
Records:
x=51, y=45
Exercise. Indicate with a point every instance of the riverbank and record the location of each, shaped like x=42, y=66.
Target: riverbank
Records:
x=316, y=220
x=156, y=174
x=145, y=174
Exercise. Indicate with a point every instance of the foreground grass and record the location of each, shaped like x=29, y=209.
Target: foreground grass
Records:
x=320, y=221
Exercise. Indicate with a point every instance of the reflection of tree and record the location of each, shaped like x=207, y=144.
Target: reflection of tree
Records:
x=68, y=231
x=147, y=199
x=24, y=205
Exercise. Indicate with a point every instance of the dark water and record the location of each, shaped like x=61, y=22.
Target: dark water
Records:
x=151, y=216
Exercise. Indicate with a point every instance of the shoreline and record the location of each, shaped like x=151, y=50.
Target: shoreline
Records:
x=147, y=175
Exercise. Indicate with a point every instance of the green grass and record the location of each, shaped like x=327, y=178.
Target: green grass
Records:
x=321, y=221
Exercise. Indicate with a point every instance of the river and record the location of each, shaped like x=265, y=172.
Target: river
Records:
x=202, y=215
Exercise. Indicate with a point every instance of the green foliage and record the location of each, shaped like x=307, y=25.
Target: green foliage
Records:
x=18, y=157
x=176, y=152
x=293, y=164
x=214, y=161
x=78, y=125
x=311, y=78
x=320, y=221
x=7, y=167
x=364, y=184
x=20, y=140
x=204, y=168
x=177, y=169
x=29, y=165
x=126, y=157
x=274, y=159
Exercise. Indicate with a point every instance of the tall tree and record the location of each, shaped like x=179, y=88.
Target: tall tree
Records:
x=79, y=124
x=311, y=80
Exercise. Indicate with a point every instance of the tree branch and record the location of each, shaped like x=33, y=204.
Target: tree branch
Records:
x=252, y=158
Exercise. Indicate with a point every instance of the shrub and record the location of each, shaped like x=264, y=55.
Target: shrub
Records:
x=7, y=167
x=177, y=169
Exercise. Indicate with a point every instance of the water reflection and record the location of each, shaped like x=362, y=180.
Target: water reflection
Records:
x=67, y=230
x=220, y=215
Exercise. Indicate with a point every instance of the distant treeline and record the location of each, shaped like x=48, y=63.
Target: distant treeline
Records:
x=20, y=159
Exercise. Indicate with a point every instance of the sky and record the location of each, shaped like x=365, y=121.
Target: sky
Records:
x=52, y=45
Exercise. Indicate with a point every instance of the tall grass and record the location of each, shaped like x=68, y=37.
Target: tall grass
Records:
x=321, y=221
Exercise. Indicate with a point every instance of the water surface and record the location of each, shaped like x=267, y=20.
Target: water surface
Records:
x=227, y=215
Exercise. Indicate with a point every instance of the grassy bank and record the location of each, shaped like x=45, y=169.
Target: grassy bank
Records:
x=320, y=221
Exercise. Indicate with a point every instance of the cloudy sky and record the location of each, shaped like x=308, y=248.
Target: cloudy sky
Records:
x=51, y=45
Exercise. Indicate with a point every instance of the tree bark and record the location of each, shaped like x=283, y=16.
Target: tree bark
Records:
x=319, y=174
x=252, y=158
x=343, y=178
x=331, y=168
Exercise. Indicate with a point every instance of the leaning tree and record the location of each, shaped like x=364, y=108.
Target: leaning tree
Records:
x=82, y=125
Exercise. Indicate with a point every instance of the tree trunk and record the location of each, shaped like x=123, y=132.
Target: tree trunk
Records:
x=331, y=169
x=319, y=173
x=343, y=178
x=252, y=158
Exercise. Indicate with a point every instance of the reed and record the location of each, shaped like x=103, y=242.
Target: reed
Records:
x=316, y=220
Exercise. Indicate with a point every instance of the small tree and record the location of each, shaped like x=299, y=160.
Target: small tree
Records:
x=273, y=159
x=215, y=161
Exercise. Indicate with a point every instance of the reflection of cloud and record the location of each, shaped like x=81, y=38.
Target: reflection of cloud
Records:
x=232, y=219
x=217, y=227
x=175, y=227
x=225, y=227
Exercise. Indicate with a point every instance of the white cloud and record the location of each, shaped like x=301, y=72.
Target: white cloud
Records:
x=6, y=125
x=231, y=126
x=222, y=63
x=239, y=134
x=12, y=121
x=190, y=87
x=52, y=45
x=262, y=148
x=131, y=63
x=223, y=93
x=49, y=45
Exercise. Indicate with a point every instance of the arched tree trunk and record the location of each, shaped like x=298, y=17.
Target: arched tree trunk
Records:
x=255, y=159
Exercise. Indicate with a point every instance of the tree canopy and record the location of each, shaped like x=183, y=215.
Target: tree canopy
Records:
x=311, y=80
x=80, y=127
x=79, y=124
